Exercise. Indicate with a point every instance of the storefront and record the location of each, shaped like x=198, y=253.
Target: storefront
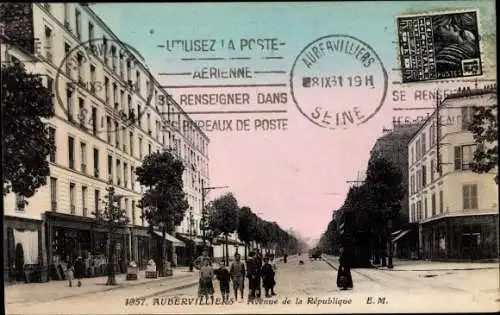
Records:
x=172, y=244
x=23, y=250
x=194, y=248
x=460, y=238
x=143, y=246
x=69, y=236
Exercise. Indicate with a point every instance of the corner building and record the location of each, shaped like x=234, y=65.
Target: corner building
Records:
x=103, y=128
x=455, y=208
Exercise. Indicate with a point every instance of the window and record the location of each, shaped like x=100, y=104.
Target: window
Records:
x=69, y=104
x=83, y=149
x=432, y=134
x=418, y=149
x=78, y=22
x=412, y=184
x=467, y=116
x=106, y=89
x=412, y=160
x=109, y=126
x=48, y=43
x=96, y=200
x=139, y=114
x=52, y=139
x=66, y=14
x=96, y=163
x=424, y=175
x=132, y=177
x=469, y=197
x=131, y=137
x=464, y=157
x=91, y=31
x=149, y=148
x=94, y=120
x=92, y=79
x=84, y=201
x=53, y=194
x=117, y=135
x=72, y=198
x=105, y=45
x=424, y=146
x=133, y=212
x=126, y=207
x=125, y=175
x=113, y=57
x=441, y=201
x=71, y=152
x=140, y=148
x=118, y=172
x=419, y=210
x=412, y=213
x=20, y=202
x=110, y=167
x=433, y=169
x=138, y=81
x=433, y=204
x=149, y=123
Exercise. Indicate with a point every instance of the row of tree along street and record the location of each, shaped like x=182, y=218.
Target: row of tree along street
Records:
x=26, y=144
x=367, y=216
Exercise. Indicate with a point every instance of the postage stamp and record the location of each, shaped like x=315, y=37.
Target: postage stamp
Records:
x=439, y=46
x=338, y=81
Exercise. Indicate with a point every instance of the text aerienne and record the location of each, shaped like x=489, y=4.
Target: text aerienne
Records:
x=223, y=73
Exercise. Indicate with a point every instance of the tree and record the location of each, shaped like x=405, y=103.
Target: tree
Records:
x=383, y=190
x=245, y=227
x=112, y=218
x=484, y=128
x=164, y=201
x=226, y=217
x=26, y=145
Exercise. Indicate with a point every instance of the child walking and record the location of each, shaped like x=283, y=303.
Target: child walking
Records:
x=237, y=271
x=223, y=276
x=267, y=273
x=206, y=287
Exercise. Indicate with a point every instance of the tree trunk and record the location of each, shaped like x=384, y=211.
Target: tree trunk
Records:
x=163, y=257
x=246, y=246
x=226, y=261
x=111, y=261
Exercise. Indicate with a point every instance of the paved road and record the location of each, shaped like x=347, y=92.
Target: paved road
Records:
x=309, y=288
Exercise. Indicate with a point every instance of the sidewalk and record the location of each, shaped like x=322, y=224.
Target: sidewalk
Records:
x=54, y=290
x=422, y=265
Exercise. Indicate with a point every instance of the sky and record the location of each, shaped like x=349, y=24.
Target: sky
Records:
x=297, y=176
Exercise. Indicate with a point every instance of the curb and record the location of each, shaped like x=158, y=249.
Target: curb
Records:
x=115, y=287
x=445, y=269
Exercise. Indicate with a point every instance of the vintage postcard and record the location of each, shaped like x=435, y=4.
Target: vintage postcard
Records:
x=250, y=158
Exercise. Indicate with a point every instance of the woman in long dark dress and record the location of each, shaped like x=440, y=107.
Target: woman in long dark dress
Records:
x=344, y=278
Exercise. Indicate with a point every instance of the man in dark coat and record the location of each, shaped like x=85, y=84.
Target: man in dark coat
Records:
x=79, y=270
x=344, y=278
x=267, y=274
x=253, y=275
x=258, y=260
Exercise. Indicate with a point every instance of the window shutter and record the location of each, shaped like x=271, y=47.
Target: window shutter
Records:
x=465, y=197
x=473, y=196
x=458, y=158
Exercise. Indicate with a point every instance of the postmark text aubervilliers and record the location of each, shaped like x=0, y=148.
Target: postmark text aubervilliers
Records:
x=338, y=81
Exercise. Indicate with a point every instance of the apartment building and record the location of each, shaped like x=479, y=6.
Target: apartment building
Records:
x=109, y=114
x=455, y=208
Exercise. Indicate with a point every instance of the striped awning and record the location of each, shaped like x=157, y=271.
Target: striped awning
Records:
x=170, y=238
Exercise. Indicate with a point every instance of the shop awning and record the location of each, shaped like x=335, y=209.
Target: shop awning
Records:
x=186, y=238
x=400, y=235
x=170, y=238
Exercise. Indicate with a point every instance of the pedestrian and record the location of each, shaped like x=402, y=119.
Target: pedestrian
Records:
x=252, y=275
x=223, y=276
x=344, y=278
x=79, y=270
x=198, y=262
x=267, y=274
x=258, y=261
x=206, y=287
x=285, y=256
x=70, y=272
x=273, y=264
x=237, y=272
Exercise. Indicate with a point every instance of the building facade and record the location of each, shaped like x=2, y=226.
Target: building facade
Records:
x=110, y=112
x=455, y=208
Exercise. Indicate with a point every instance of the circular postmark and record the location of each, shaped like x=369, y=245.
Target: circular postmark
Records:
x=81, y=73
x=338, y=81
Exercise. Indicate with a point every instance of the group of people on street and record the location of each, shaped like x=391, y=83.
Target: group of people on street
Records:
x=75, y=270
x=256, y=268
